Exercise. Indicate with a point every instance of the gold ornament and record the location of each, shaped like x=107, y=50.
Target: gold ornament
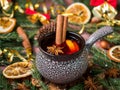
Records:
x=33, y=18
x=37, y=5
x=5, y=5
x=11, y=53
x=17, y=7
x=106, y=13
x=1, y=52
x=29, y=5
x=6, y=8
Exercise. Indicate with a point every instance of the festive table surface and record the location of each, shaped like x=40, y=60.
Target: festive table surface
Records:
x=102, y=73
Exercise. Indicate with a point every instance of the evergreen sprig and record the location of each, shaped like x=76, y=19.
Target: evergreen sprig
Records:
x=100, y=58
x=36, y=75
x=4, y=83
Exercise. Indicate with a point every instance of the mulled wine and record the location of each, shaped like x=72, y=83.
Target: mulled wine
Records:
x=71, y=45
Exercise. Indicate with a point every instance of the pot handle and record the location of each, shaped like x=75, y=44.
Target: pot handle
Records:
x=97, y=35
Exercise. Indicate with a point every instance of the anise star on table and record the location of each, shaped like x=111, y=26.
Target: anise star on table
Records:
x=22, y=86
x=113, y=72
x=56, y=50
x=35, y=82
x=90, y=84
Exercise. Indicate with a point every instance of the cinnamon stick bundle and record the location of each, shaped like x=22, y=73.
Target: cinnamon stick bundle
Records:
x=61, y=29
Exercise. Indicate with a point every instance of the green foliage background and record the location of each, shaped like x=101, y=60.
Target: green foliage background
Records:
x=13, y=41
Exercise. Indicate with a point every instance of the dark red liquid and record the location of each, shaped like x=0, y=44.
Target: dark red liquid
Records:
x=74, y=47
x=68, y=48
x=49, y=40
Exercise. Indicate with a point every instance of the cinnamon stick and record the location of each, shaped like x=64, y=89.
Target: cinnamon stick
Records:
x=64, y=28
x=59, y=30
x=22, y=34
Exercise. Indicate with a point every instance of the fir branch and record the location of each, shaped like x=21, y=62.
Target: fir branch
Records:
x=60, y=2
x=104, y=83
x=37, y=76
x=111, y=83
x=114, y=39
x=4, y=84
x=114, y=81
x=13, y=36
x=100, y=58
x=79, y=86
x=29, y=84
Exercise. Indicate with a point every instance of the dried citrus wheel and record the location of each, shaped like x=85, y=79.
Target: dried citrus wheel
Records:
x=114, y=53
x=7, y=24
x=81, y=13
x=18, y=70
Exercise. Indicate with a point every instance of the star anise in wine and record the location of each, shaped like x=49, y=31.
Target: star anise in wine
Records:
x=90, y=84
x=113, y=72
x=56, y=50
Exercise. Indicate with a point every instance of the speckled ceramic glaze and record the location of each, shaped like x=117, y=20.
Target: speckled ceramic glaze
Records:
x=66, y=68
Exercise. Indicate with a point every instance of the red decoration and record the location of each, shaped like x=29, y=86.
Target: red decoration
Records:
x=28, y=11
x=99, y=2
x=9, y=0
x=47, y=16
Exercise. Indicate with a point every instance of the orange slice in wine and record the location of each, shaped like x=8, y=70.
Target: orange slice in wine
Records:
x=72, y=45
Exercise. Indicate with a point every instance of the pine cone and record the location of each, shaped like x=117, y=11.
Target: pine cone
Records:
x=45, y=29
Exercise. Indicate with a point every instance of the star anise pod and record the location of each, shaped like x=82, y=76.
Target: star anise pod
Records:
x=90, y=84
x=56, y=50
x=113, y=72
x=22, y=86
x=52, y=86
x=35, y=82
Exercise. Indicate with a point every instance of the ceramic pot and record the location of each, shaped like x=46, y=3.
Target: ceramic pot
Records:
x=63, y=69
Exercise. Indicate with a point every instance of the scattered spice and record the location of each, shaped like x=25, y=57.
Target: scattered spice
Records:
x=35, y=82
x=22, y=86
x=113, y=72
x=52, y=86
x=90, y=84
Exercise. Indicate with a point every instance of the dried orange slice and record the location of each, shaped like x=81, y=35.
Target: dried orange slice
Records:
x=81, y=13
x=18, y=70
x=114, y=53
x=7, y=24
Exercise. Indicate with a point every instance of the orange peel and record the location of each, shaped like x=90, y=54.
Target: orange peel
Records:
x=72, y=45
